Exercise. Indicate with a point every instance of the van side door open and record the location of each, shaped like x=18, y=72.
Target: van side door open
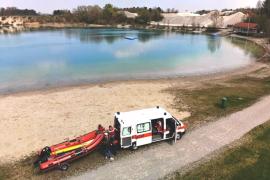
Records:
x=170, y=127
x=175, y=132
x=157, y=129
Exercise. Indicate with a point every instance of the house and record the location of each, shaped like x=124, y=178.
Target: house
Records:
x=246, y=28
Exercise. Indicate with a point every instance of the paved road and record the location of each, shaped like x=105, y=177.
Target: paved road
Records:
x=160, y=160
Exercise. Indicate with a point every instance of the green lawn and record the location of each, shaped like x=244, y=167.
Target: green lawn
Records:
x=251, y=160
x=205, y=103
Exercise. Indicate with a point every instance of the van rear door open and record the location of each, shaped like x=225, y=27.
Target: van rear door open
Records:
x=126, y=137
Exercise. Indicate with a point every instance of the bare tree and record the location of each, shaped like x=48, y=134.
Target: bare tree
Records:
x=259, y=7
x=259, y=4
x=216, y=19
x=88, y=14
x=193, y=24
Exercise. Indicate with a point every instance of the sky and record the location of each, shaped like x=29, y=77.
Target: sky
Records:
x=47, y=6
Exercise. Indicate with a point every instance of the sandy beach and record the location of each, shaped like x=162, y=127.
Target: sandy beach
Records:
x=33, y=120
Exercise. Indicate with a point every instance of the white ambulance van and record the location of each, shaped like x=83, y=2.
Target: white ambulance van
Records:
x=141, y=127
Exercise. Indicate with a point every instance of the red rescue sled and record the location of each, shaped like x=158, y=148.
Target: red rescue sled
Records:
x=60, y=155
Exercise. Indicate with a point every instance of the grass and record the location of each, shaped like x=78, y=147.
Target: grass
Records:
x=205, y=103
x=3, y=173
x=251, y=160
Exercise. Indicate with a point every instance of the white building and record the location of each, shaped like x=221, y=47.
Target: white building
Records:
x=191, y=19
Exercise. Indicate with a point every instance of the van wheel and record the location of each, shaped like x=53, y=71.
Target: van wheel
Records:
x=64, y=167
x=134, y=146
x=178, y=136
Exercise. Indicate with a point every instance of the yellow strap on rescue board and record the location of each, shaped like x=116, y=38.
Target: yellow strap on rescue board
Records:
x=71, y=148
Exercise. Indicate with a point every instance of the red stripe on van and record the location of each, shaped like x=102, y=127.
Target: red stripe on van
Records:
x=142, y=136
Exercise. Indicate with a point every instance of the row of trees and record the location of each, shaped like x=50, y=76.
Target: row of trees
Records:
x=13, y=11
x=106, y=15
x=91, y=15
x=97, y=15
x=145, y=14
x=261, y=16
x=111, y=15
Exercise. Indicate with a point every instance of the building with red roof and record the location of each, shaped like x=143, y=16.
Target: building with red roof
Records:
x=246, y=28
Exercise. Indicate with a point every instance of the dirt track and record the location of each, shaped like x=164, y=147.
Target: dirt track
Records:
x=163, y=159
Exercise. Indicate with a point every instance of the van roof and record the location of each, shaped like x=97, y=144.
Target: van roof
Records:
x=141, y=116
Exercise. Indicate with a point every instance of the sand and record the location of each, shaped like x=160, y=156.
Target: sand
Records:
x=33, y=120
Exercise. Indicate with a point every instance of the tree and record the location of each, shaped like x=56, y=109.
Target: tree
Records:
x=216, y=19
x=2, y=11
x=155, y=15
x=259, y=4
x=95, y=13
x=120, y=17
x=61, y=12
x=88, y=14
x=266, y=11
x=266, y=7
x=13, y=11
x=143, y=17
x=201, y=12
x=259, y=7
x=263, y=16
x=159, y=10
x=109, y=12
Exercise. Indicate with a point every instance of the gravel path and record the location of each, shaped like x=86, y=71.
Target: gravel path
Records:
x=160, y=160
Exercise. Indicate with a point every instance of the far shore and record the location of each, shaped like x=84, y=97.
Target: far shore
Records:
x=31, y=120
x=51, y=25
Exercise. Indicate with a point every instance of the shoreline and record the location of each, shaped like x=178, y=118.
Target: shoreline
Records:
x=199, y=77
x=37, y=116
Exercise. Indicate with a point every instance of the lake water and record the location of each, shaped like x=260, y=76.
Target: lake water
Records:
x=52, y=58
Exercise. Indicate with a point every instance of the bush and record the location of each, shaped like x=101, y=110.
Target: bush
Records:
x=212, y=29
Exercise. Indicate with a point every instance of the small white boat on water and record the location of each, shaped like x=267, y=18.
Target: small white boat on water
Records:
x=215, y=34
x=130, y=37
x=197, y=32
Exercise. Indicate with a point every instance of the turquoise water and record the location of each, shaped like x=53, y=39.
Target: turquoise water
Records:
x=51, y=58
